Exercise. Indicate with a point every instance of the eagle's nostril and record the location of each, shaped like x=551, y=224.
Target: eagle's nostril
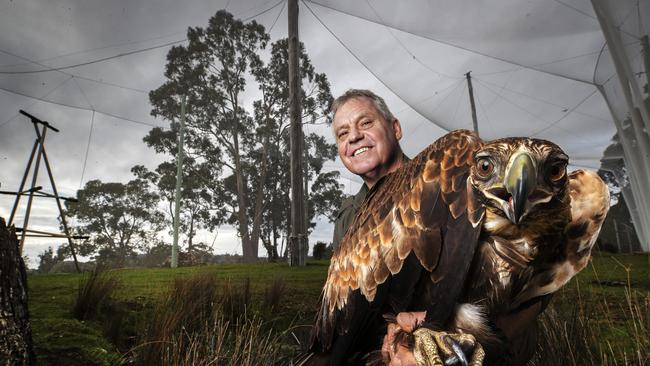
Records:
x=500, y=193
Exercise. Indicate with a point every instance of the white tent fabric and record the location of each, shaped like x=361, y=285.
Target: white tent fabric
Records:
x=539, y=68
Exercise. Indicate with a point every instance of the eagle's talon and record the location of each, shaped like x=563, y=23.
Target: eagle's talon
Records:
x=459, y=358
x=439, y=348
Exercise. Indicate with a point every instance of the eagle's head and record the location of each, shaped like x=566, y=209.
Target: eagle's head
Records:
x=517, y=177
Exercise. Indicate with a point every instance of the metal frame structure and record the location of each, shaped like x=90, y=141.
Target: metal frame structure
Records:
x=633, y=130
x=38, y=151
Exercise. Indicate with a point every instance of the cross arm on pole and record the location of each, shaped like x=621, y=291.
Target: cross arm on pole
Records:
x=37, y=120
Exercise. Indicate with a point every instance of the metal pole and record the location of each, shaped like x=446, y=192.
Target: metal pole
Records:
x=621, y=61
x=41, y=142
x=630, y=92
x=618, y=238
x=298, y=232
x=58, y=204
x=633, y=160
x=471, y=101
x=645, y=47
x=22, y=183
x=179, y=183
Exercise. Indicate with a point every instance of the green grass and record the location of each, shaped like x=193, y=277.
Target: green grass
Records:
x=51, y=299
x=596, y=292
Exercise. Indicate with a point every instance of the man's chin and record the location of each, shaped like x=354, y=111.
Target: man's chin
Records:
x=362, y=168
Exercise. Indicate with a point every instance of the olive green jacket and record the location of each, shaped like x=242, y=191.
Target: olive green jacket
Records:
x=346, y=213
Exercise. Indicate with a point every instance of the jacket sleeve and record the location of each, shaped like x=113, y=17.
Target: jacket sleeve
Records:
x=343, y=219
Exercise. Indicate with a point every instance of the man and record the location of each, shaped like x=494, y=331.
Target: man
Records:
x=367, y=136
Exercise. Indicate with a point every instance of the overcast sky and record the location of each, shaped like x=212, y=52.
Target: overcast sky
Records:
x=417, y=76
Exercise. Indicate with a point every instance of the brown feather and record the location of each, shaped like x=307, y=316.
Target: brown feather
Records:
x=422, y=208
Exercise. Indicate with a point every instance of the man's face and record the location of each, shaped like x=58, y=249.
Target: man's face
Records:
x=367, y=143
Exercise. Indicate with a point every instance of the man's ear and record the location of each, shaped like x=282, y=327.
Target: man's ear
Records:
x=397, y=129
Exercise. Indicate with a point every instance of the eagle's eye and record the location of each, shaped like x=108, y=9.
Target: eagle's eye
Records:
x=557, y=171
x=484, y=167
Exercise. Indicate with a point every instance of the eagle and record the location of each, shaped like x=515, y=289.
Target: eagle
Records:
x=467, y=230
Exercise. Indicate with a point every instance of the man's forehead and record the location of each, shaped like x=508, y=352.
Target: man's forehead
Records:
x=362, y=106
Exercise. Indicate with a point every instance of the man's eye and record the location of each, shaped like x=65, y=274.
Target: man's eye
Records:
x=342, y=134
x=366, y=123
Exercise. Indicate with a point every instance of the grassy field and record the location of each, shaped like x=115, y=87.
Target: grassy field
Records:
x=603, y=312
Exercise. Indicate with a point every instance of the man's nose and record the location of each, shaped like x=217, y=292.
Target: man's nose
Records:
x=354, y=135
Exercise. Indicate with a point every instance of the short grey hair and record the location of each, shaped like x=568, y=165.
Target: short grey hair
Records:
x=378, y=101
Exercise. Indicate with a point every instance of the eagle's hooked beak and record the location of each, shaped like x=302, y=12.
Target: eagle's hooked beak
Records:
x=520, y=181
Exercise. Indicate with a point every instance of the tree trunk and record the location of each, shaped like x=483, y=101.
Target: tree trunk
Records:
x=275, y=238
x=15, y=329
x=259, y=196
x=191, y=235
x=248, y=250
x=305, y=204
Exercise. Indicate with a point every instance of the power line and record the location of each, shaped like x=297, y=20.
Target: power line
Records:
x=561, y=107
x=93, y=61
x=90, y=135
x=78, y=108
x=364, y=65
x=596, y=19
x=48, y=69
x=542, y=64
x=435, y=94
x=278, y=17
x=60, y=69
x=142, y=91
x=404, y=46
x=548, y=124
x=83, y=94
x=460, y=97
x=95, y=49
x=511, y=102
x=35, y=101
x=576, y=9
x=74, y=75
x=454, y=45
x=263, y=11
x=484, y=112
x=566, y=115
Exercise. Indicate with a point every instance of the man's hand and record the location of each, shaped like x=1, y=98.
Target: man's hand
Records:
x=429, y=347
x=400, y=354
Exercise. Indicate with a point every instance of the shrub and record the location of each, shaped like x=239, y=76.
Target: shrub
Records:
x=585, y=327
x=273, y=295
x=242, y=342
x=194, y=324
x=95, y=290
x=236, y=300
x=322, y=251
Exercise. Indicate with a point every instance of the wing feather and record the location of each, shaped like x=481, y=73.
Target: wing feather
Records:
x=589, y=206
x=412, y=220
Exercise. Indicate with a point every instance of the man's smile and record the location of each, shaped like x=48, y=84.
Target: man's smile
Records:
x=360, y=151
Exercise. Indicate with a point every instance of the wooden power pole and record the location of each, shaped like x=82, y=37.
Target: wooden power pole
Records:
x=298, y=227
x=179, y=185
x=471, y=101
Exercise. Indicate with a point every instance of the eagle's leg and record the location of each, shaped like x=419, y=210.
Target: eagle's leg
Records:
x=438, y=348
x=430, y=346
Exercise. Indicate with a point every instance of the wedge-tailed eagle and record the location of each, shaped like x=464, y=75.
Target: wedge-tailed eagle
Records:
x=465, y=229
